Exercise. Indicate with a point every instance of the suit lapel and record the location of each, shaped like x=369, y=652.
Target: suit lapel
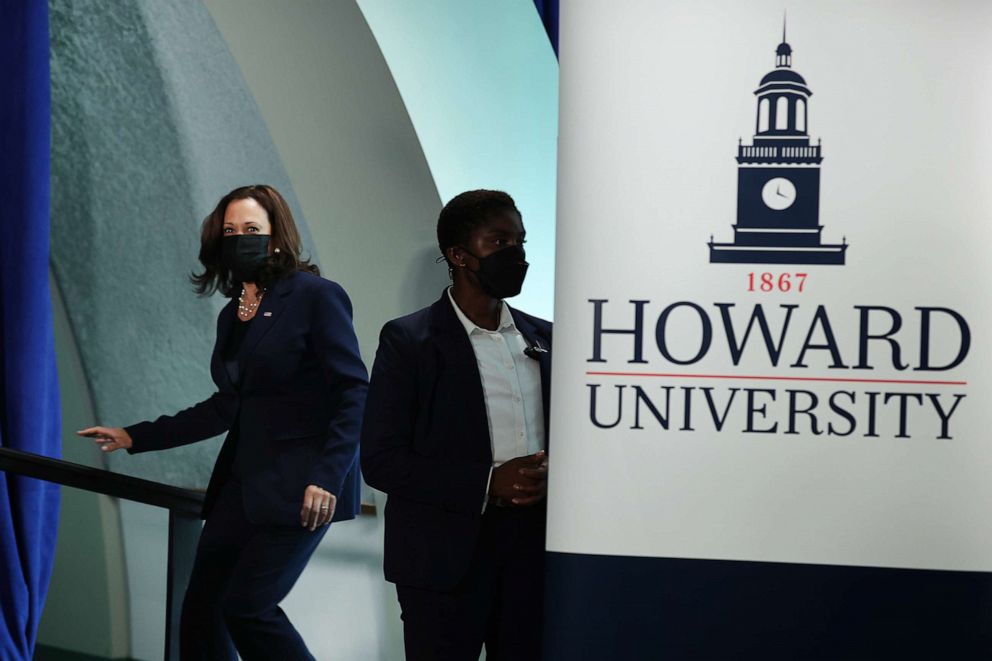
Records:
x=455, y=354
x=224, y=327
x=226, y=322
x=268, y=314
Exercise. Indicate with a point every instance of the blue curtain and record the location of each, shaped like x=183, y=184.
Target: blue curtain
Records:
x=29, y=397
x=548, y=11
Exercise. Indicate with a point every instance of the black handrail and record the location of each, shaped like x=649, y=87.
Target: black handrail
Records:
x=66, y=473
x=184, y=505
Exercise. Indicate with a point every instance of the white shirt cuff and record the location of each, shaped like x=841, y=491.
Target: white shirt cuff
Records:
x=489, y=483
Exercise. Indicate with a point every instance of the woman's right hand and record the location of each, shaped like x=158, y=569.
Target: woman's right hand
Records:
x=108, y=438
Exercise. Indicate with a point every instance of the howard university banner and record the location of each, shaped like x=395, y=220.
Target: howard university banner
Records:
x=771, y=406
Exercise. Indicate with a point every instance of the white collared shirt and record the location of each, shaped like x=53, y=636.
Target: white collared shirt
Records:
x=511, y=386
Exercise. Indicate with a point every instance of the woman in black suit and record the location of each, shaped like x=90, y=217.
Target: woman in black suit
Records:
x=290, y=392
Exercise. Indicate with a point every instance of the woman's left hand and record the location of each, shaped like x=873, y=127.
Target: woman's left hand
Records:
x=318, y=507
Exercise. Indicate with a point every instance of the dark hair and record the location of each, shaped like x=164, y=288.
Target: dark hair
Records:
x=468, y=211
x=285, y=237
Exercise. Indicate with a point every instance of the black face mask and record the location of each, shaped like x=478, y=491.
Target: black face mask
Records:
x=244, y=255
x=502, y=273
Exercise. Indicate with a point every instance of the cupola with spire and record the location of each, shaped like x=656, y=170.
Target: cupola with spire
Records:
x=783, y=98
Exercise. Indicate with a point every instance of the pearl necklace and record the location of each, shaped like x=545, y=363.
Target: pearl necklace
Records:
x=248, y=309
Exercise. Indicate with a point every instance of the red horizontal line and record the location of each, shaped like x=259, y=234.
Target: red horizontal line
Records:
x=751, y=377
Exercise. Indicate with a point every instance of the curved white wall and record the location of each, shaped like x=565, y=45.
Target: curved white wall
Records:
x=480, y=82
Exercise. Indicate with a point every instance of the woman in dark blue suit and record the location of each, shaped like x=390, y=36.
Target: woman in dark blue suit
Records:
x=290, y=392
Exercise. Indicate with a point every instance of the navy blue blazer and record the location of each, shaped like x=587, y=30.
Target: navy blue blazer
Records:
x=425, y=441
x=295, y=415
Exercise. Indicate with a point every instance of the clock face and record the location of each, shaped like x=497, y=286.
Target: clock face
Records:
x=778, y=193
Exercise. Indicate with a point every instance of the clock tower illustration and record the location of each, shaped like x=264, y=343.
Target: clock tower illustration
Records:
x=778, y=179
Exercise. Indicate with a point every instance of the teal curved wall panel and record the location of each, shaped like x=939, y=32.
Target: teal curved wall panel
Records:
x=152, y=122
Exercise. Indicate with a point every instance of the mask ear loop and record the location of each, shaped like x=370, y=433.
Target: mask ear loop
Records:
x=442, y=258
x=451, y=269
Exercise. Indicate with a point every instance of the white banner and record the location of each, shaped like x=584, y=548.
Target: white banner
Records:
x=772, y=309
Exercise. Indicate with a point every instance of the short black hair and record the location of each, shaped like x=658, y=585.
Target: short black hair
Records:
x=467, y=211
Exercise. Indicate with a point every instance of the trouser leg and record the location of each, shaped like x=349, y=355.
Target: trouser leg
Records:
x=444, y=626
x=453, y=625
x=203, y=633
x=267, y=567
x=517, y=625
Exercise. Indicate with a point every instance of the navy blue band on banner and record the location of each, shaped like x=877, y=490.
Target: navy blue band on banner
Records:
x=610, y=607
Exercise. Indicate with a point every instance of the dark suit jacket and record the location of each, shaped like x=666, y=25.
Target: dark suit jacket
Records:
x=425, y=441
x=296, y=413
